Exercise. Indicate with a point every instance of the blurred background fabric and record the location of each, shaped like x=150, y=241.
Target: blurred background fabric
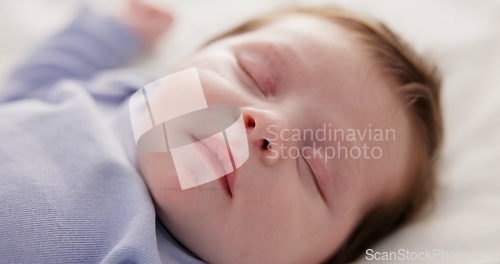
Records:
x=462, y=36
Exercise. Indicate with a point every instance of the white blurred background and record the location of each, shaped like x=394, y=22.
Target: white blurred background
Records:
x=462, y=36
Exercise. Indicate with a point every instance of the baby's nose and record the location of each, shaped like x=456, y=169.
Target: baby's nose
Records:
x=262, y=130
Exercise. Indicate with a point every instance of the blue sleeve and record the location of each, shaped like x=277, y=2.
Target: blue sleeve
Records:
x=91, y=43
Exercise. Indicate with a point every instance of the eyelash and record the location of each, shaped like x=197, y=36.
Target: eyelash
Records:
x=314, y=178
x=251, y=77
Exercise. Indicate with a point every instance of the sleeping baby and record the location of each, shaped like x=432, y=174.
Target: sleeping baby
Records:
x=340, y=123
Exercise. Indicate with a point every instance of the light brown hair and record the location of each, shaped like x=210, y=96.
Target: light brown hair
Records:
x=418, y=84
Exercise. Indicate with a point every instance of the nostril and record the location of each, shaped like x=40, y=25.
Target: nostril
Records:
x=265, y=144
x=250, y=122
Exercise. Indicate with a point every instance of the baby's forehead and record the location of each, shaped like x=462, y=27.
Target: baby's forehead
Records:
x=295, y=28
x=301, y=26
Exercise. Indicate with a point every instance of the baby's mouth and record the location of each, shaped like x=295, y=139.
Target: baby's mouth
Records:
x=229, y=181
x=219, y=157
x=225, y=185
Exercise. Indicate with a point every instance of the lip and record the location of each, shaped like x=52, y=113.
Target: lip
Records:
x=225, y=185
x=229, y=181
x=213, y=149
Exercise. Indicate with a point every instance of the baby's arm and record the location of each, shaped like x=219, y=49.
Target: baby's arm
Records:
x=91, y=43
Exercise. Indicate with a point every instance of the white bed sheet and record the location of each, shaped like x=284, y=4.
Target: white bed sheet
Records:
x=462, y=36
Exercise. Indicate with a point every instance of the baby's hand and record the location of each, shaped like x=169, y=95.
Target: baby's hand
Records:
x=147, y=21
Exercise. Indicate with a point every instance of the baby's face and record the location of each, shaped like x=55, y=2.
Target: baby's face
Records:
x=294, y=75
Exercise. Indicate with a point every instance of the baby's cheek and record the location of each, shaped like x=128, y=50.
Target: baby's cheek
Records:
x=275, y=198
x=157, y=170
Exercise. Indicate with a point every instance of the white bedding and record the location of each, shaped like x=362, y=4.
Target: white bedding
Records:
x=463, y=37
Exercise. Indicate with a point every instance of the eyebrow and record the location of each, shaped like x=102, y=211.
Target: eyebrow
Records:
x=277, y=56
x=277, y=52
x=281, y=56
